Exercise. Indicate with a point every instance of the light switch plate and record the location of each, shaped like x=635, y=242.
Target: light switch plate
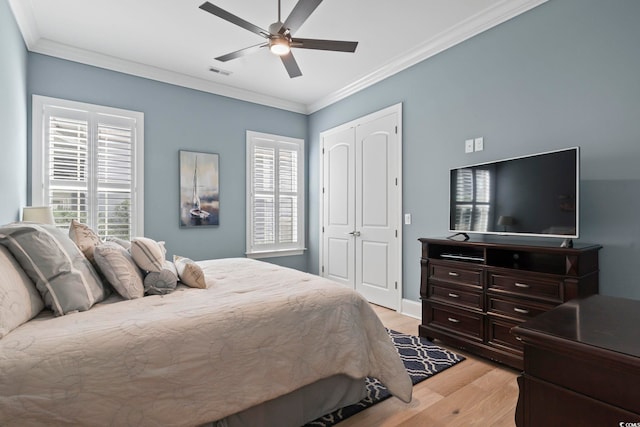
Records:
x=468, y=146
x=479, y=144
x=407, y=219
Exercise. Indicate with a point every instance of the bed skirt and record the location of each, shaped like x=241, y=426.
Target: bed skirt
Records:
x=300, y=406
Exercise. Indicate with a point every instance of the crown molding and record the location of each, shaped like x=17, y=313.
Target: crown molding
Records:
x=70, y=53
x=466, y=29
x=26, y=22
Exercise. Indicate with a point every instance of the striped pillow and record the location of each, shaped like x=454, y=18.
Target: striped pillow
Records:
x=148, y=254
x=64, y=277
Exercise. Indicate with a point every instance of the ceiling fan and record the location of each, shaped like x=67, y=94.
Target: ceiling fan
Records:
x=280, y=39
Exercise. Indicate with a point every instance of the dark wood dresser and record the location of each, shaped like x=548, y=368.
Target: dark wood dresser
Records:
x=581, y=365
x=474, y=292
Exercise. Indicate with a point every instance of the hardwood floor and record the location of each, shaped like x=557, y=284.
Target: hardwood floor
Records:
x=475, y=392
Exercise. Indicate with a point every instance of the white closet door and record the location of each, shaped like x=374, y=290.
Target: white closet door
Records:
x=361, y=207
x=377, y=210
x=339, y=206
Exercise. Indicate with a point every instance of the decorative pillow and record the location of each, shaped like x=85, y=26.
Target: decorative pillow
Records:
x=120, y=270
x=148, y=254
x=162, y=282
x=124, y=243
x=19, y=298
x=189, y=272
x=64, y=277
x=84, y=237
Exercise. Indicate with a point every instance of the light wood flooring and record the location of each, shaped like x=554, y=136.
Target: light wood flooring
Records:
x=475, y=392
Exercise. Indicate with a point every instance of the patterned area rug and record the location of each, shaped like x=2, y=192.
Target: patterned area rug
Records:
x=421, y=358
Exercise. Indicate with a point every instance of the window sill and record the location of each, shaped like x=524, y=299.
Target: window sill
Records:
x=275, y=253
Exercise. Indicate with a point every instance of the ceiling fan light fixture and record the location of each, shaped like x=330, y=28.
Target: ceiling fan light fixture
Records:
x=279, y=46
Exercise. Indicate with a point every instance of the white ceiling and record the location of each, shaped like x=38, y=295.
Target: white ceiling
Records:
x=175, y=41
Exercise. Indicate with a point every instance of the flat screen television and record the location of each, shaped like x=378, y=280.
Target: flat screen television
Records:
x=534, y=195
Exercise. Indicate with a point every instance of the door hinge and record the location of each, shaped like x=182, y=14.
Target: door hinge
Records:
x=396, y=130
x=396, y=232
x=323, y=228
x=396, y=182
x=396, y=285
x=323, y=151
x=322, y=190
x=323, y=268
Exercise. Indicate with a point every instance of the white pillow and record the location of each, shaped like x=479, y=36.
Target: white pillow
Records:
x=148, y=254
x=118, y=268
x=189, y=272
x=19, y=298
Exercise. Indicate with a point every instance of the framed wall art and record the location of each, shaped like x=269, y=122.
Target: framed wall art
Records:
x=199, y=189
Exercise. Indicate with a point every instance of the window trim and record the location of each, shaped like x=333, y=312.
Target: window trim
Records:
x=39, y=103
x=276, y=250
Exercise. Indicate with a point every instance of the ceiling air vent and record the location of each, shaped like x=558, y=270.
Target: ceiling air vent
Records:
x=220, y=71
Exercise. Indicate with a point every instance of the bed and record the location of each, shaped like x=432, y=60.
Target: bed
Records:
x=261, y=345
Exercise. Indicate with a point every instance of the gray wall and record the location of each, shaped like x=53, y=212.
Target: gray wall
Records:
x=177, y=118
x=13, y=117
x=563, y=74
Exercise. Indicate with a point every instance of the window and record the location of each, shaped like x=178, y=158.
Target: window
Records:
x=87, y=165
x=275, y=195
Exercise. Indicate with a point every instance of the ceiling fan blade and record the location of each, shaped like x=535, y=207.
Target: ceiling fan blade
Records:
x=291, y=65
x=299, y=14
x=335, y=45
x=221, y=13
x=241, y=52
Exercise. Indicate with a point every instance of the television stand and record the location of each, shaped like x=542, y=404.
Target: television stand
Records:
x=474, y=292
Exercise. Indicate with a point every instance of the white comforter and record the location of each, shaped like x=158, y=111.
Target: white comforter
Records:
x=196, y=355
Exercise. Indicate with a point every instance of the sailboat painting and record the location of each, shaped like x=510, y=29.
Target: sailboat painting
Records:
x=199, y=189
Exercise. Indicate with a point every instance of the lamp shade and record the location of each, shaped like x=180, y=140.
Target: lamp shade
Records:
x=40, y=214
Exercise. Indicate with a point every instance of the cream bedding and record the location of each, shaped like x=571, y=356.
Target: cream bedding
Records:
x=196, y=355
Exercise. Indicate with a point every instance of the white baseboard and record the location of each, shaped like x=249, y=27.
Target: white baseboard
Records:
x=411, y=308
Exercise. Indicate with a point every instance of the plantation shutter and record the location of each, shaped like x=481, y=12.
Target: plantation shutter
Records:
x=114, y=179
x=264, y=214
x=89, y=169
x=275, y=197
x=67, y=162
x=288, y=197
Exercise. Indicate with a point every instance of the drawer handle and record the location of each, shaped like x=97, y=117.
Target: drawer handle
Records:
x=452, y=295
x=452, y=320
x=454, y=274
x=522, y=285
x=521, y=310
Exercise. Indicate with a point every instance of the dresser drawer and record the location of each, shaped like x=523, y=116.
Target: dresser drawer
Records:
x=463, y=322
x=517, y=309
x=456, y=274
x=541, y=288
x=457, y=295
x=499, y=334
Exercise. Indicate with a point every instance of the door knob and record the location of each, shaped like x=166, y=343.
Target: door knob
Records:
x=355, y=233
